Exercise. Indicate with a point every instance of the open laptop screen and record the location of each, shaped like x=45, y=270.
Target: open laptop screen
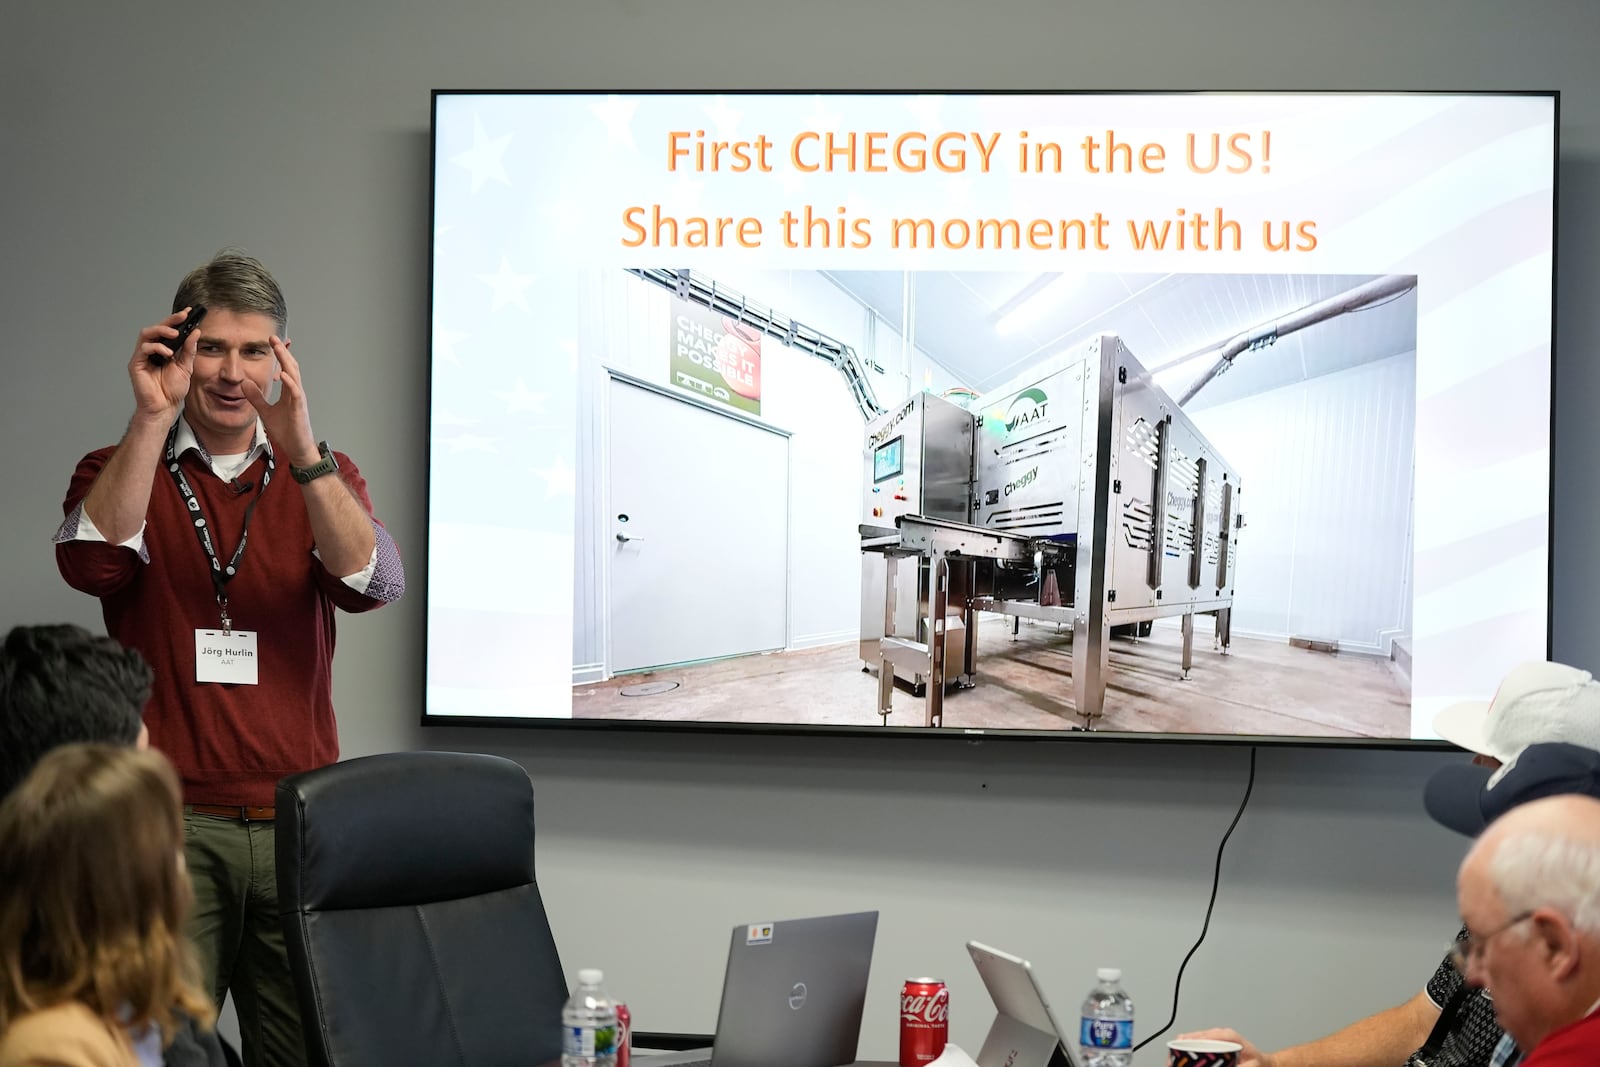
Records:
x=793, y=994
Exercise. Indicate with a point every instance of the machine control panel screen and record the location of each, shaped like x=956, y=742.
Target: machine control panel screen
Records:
x=888, y=459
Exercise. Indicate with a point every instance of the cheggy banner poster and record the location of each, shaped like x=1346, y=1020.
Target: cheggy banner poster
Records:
x=715, y=358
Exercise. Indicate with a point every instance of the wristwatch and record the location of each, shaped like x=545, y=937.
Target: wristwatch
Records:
x=326, y=465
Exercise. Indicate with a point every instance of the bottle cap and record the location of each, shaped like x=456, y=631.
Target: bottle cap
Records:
x=1105, y=974
x=591, y=976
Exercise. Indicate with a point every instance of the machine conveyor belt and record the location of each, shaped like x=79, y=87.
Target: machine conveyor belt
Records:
x=918, y=535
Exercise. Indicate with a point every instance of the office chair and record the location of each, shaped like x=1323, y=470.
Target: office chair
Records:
x=415, y=928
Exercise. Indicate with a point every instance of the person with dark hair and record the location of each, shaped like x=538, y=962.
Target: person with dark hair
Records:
x=221, y=536
x=94, y=967
x=60, y=684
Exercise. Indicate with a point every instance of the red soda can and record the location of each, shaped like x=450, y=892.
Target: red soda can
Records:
x=924, y=1021
x=624, y=1035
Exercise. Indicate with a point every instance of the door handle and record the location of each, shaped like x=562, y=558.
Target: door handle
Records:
x=625, y=538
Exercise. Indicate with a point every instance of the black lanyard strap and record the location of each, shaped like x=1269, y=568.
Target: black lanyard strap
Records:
x=1445, y=1024
x=220, y=575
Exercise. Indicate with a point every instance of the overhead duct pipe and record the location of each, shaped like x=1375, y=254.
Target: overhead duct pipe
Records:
x=1265, y=334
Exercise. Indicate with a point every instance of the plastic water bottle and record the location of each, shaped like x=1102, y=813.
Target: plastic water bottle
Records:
x=589, y=1024
x=1105, y=1037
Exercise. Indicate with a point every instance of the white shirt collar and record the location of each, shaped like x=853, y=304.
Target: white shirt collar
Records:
x=184, y=439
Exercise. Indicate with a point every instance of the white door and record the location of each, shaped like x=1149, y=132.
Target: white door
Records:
x=697, y=532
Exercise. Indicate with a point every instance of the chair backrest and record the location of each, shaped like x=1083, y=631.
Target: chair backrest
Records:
x=415, y=928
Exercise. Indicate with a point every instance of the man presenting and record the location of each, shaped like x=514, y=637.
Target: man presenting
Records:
x=220, y=536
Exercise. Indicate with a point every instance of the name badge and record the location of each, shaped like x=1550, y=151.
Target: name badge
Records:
x=220, y=657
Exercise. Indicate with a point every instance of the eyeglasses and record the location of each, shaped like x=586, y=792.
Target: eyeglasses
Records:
x=1467, y=949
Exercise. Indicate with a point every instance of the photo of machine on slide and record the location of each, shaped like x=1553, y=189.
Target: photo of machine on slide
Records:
x=1173, y=503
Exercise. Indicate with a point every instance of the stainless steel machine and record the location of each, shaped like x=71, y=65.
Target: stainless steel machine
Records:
x=1094, y=502
x=919, y=462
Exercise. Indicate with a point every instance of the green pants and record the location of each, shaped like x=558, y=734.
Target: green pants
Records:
x=239, y=936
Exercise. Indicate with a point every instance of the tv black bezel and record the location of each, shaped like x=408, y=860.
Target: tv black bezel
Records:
x=971, y=735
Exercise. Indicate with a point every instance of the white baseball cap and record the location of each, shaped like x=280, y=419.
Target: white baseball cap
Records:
x=1536, y=703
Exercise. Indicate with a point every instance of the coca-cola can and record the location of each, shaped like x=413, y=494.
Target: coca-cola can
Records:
x=624, y=1035
x=924, y=1021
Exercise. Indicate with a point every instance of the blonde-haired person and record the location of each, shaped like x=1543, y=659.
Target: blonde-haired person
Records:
x=94, y=965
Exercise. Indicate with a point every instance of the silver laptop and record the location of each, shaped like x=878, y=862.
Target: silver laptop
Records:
x=1026, y=1032
x=793, y=995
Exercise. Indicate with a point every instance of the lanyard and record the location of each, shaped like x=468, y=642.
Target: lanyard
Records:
x=1442, y=1029
x=220, y=575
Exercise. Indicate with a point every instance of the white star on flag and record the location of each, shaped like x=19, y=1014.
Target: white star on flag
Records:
x=482, y=160
x=565, y=215
x=725, y=118
x=450, y=418
x=617, y=114
x=822, y=120
x=521, y=398
x=444, y=344
x=469, y=442
x=508, y=286
x=559, y=479
x=926, y=110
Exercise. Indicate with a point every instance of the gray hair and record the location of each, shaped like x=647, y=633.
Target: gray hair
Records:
x=1540, y=870
x=233, y=281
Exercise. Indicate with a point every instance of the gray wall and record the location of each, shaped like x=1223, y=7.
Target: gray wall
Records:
x=141, y=137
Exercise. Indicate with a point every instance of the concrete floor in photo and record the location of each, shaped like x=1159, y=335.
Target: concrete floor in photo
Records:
x=1261, y=687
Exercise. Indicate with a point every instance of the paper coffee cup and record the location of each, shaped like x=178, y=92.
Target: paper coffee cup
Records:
x=1203, y=1052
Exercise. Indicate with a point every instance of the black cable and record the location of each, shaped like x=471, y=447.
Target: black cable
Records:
x=1216, y=879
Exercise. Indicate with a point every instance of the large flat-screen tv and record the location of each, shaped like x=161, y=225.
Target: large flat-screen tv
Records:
x=1043, y=414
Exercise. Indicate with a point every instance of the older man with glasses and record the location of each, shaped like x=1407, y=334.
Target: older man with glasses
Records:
x=1450, y=1023
x=1529, y=893
x=1516, y=800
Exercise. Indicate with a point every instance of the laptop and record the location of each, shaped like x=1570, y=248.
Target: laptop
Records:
x=1026, y=1032
x=793, y=995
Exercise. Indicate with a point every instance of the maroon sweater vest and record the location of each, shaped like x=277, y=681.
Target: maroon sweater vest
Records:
x=230, y=743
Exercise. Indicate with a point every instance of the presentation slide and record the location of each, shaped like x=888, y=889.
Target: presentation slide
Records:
x=1161, y=414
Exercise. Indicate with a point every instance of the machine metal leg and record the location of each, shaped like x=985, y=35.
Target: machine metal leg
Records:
x=885, y=668
x=1225, y=628
x=939, y=602
x=1016, y=626
x=1091, y=656
x=969, y=618
x=1188, y=643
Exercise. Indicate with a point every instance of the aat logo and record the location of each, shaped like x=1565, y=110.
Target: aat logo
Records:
x=1028, y=407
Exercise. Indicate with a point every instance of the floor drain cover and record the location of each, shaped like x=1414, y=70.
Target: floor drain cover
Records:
x=649, y=689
